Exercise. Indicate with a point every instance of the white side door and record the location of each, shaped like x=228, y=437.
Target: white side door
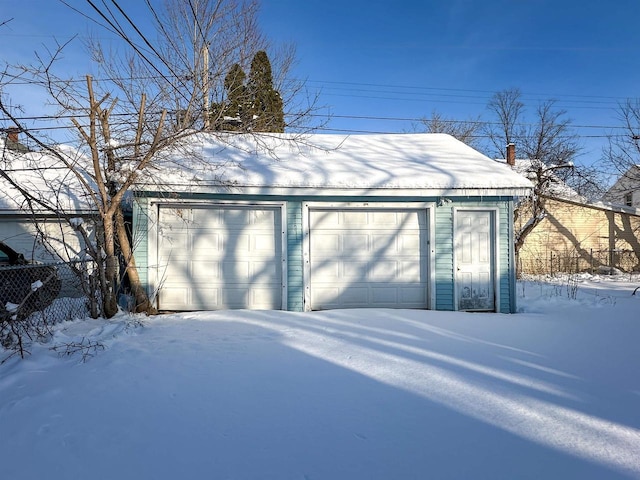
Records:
x=475, y=259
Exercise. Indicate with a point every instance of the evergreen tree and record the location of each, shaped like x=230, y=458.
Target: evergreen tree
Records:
x=231, y=113
x=253, y=105
x=236, y=108
x=266, y=107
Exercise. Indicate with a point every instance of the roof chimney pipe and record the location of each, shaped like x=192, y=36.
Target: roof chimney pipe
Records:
x=511, y=154
x=13, y=134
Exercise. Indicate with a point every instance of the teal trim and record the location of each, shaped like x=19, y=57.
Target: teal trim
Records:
x=513, y=288
x=504, y=279
x=444, y=257
x=295, y=298
x=141, y=238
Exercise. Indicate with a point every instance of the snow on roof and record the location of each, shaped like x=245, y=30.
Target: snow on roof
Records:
x=429, y=163
x=44, y=177
x=366, y=162
x=556, y=188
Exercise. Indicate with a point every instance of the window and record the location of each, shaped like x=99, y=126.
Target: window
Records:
x=628, y=199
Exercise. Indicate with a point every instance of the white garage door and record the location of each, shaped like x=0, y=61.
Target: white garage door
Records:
x=221, y=257
x=368, y=258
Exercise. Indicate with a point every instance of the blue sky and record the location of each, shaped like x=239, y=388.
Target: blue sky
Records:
x=405, y=59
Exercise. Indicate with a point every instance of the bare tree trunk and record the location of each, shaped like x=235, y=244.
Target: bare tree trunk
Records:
x=143, y=305
x=110, y=287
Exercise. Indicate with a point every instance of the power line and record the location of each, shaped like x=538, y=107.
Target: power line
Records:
x=342, y=116
x=448, y=89
x=413, y=93
x=478, y=122
x=122, y=34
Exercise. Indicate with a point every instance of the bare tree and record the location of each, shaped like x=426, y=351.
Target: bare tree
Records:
x=623, y=151
x=152, y=97
x=104, y=167
x=622, y=154
x=508, y=109
x=548, y=145
x=467, y=131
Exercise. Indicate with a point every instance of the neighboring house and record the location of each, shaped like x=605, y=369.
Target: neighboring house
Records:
x=329, y=221
x=29, y=228
x=575, y=234
x=579, y=236
x=626, y=190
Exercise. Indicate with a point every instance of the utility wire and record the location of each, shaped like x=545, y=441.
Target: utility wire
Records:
x=122, y=34
x=195, y=16
x=416, y=87
x=484, y=95
x=421, y=120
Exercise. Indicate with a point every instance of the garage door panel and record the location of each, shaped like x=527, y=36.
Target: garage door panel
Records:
x=222, y=257
x=174, y=218
x=353, y=218
x=384, y=295
x=203, y=217
x=407, y=244
x=381, y=243
x=245, y=272
x=235, y=217
x=264, y=243
x=412, y=272
x=325, y=242
x=327, y=217
x=242, y=297
x=383, y=219
x=369, y=295
x=206, y=239
x=201, y=298
x=263, y=218
x=355, y=243
x=387, y=271
x=323, y=297
x=368, y=257
x=180, y=241
x=327, y=270
x=411, y=294
x=264, y=298
x=353, y=270
x=355, y=296
x=173, y=296
x=235, y=242
x=334, y=297
x=205, y=271
x=175, y=268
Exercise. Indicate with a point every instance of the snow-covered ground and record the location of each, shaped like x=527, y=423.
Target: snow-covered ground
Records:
x=552, y=392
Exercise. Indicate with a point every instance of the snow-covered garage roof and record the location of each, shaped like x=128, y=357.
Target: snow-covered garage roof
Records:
x=284, y=163
x=46, y=179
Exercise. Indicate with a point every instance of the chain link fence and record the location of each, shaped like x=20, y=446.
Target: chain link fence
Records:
x=591, y=261
x=35, y=297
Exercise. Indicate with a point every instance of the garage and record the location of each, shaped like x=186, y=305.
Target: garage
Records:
x=43, y=240
x=368, y=257
x=214, y=257
x=329, y=221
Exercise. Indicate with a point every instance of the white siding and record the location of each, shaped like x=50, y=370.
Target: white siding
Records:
x=44, y=241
